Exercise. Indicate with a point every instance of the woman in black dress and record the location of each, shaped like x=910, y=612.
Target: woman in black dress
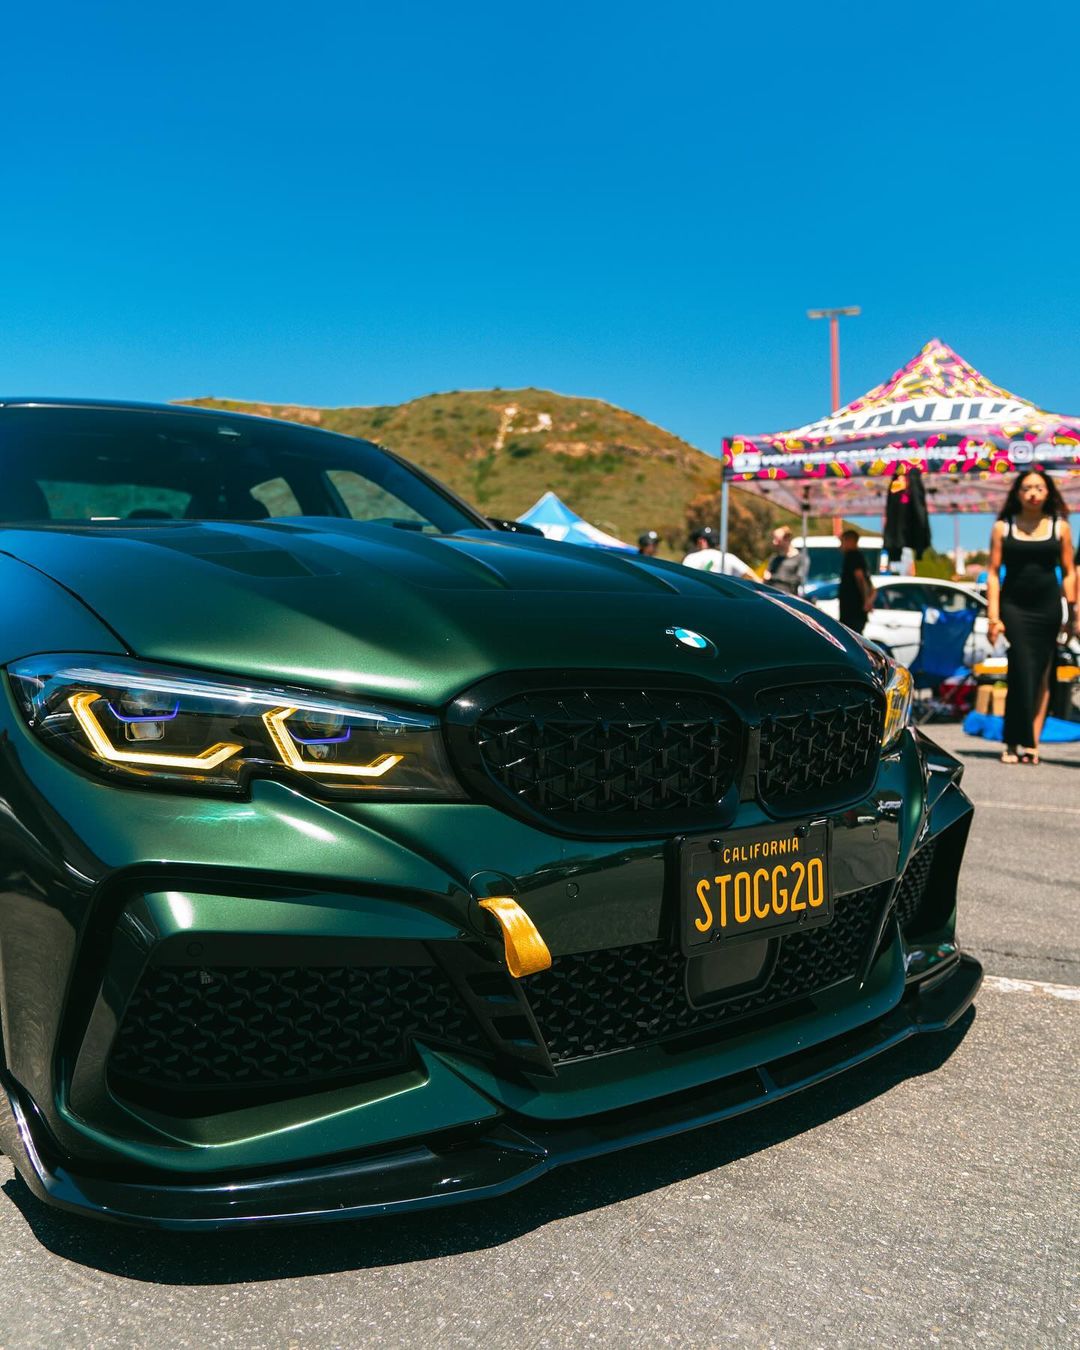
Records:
x=1031, y=541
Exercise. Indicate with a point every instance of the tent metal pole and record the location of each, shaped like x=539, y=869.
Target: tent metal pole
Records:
x=805, y=514
x=723, y=512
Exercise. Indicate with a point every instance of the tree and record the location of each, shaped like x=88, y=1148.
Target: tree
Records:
x=750, y=522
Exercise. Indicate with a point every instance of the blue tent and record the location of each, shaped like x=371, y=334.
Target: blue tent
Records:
x=557, y=521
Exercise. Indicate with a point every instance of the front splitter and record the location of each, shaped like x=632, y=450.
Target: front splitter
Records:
x=488, y=1164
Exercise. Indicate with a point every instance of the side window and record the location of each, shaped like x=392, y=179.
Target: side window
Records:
x=949, y=601
x=277, y=497
x=365, y=500
x=913, y=598
x=890, y=597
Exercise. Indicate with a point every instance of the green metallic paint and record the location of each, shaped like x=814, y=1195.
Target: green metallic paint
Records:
x=282, y=1134
x=414, y=618
x=38, y=615
x=278, y=830
x=187, y=914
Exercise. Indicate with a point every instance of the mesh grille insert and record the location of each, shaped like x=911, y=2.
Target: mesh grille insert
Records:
x=612, y=755
x=820, y=745
x=268, y=1027
x=912, y=890
x=595, y=1002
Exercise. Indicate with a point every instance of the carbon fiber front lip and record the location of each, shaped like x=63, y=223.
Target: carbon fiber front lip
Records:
x=491, y=1164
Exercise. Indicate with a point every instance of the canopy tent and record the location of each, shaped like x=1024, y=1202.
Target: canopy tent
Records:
x=937, y=414
x=554, y=517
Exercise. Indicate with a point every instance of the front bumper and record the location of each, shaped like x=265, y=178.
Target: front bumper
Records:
x=485, y=1162
x=111, y=893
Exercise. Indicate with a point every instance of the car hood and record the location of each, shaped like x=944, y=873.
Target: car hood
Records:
x=411, y=616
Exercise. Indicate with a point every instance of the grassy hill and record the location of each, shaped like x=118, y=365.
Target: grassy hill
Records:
x=502, y=448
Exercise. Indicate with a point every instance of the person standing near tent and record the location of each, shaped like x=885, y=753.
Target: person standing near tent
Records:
x=1031, y=543
x=856, y=594
x=787, y=570
x=706, y=558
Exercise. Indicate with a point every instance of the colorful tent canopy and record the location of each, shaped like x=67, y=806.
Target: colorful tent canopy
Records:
x=937, y=413
x=554, y=517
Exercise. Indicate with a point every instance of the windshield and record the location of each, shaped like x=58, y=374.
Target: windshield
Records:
x=81, y=465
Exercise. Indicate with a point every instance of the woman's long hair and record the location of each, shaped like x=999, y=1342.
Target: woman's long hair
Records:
x=1053, y=506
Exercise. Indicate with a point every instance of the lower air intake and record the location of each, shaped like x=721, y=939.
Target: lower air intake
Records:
x=593, y=1003
x=913, y=888
x=249, y=1028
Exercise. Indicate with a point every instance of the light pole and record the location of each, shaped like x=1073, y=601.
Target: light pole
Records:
x=834, y=316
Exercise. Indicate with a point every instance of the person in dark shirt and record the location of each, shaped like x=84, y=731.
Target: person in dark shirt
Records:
x=856, y=588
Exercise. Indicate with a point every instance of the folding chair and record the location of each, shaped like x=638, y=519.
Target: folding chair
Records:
x=945, y=636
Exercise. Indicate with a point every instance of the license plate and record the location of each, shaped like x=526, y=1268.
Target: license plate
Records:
x=747, y=882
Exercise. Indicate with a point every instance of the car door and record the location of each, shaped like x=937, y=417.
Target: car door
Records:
x=895, y=621
x=950, y=599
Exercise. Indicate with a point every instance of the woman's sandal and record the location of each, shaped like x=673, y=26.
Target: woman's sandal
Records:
x=1029, y=756
x=1009, y=757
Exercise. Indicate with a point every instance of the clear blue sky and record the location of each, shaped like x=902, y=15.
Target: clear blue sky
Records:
x=352, y=203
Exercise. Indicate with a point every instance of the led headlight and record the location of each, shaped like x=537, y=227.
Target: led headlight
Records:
x=899, y=691
x=144, y=724
x=898, y=695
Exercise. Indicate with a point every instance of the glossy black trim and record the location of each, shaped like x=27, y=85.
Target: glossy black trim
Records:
x=462, y=714
x=741, y=694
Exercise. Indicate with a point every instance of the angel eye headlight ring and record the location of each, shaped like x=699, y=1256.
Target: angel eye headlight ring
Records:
x=291, y=755
x=82, y=706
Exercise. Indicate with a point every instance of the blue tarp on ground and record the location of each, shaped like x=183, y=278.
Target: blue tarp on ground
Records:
x=990, y=728
x=555, y=518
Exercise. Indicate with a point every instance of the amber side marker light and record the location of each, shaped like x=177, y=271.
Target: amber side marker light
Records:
x=526, y=951
x=80, y=705
x=287, y=749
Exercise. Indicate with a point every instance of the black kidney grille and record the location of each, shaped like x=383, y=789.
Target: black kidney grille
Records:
x=611, y=753
x=266, y=1027
x=912, y=890
x=592, y=1003
x=820, y=745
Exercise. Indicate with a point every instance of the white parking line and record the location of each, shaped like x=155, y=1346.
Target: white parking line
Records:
x=1004, y=985
x=1024, y=806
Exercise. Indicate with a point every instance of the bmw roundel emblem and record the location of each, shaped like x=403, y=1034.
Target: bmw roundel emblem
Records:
x=686, y=637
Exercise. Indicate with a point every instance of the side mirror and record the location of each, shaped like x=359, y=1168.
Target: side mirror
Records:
x=514, y=526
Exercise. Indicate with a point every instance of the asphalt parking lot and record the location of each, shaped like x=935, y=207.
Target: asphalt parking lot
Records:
x=927, y=1200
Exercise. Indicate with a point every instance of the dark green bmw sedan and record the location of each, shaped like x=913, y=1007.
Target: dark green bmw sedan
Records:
x=360, y=855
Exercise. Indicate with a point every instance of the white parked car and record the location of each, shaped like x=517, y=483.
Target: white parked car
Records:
x=895, y=622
